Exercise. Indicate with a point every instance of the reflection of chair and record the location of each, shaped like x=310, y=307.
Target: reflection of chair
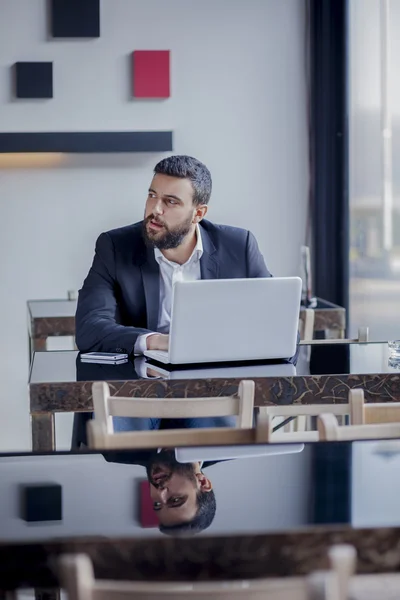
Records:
x=368, y=421
x=77, y=577
x=101, y=431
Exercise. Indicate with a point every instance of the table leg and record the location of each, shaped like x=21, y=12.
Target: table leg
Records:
x=39, y=344
x=47, y=594
x=43, y=432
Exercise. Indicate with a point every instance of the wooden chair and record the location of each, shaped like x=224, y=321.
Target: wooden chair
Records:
x=368, y=421
x=330, y=430
x=101, y=430
x=302, y=413
x=77, y=577
x=266, y=423
x=362, y=413
x=306, y=324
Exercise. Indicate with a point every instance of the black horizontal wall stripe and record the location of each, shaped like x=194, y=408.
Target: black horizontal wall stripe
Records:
x=87, y=142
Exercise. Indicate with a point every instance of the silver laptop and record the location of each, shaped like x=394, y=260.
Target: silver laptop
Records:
x=226, y=320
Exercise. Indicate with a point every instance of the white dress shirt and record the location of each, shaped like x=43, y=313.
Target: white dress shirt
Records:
x=170, y=273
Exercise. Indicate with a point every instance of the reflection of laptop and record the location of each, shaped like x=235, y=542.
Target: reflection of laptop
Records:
x=211, y=372
x=210, y=453
x=222, y=320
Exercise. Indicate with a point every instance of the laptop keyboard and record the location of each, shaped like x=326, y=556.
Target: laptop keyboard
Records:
x=160, y=355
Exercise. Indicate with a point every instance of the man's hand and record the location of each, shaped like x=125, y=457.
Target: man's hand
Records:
x=152, y=374
x=158, y=341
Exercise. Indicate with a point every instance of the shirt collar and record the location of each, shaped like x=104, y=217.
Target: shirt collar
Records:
x=197, y=252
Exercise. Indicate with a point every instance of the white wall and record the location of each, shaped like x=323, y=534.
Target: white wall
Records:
x=99, y=498
x=238, y=104
x=375, y=486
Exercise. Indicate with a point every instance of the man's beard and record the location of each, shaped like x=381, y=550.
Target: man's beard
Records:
x=166, y=459
x=169, y=238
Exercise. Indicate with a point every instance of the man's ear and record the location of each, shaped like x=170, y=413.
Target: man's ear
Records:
x=200, y=213
x=205, y=484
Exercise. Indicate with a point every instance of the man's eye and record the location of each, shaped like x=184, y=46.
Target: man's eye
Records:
x=176, y=500
x=156, y=505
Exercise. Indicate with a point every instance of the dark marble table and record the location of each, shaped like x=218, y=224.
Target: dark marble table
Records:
x=49, y=318
x=60, y=382
x=203, y=558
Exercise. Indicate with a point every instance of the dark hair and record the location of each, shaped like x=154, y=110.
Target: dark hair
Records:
x=203, y=519
x=187, y=167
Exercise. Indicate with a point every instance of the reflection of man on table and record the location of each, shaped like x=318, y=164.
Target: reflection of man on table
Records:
x=181, y=493
x=125, y=302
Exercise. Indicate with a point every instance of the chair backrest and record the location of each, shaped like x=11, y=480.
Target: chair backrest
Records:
x=362, y=413
x=309, y=410
x=330, y=430
x=77, y=577
x=101, y=430
x=307, y=321
x=299, y=412
x=265, y=425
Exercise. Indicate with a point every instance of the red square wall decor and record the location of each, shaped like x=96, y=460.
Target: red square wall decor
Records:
x=151, y=74
x=147, y=516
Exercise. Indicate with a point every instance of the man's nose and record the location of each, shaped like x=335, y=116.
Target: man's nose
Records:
x=163, y=494
x=158, y=208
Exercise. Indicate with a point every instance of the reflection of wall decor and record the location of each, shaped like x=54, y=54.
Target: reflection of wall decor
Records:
x=147, y=516
x=75, y=18
x=41, y=502
x=34, y=79
x=151, y=73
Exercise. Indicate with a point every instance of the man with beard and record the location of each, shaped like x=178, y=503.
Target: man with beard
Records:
x=125, y=302
x=182, y=495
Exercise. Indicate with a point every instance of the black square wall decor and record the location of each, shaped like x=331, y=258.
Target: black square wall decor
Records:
x=41, y=502
x=75, y=18
x=34, y=79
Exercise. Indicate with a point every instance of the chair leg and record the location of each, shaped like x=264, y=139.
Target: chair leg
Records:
x=47, y=594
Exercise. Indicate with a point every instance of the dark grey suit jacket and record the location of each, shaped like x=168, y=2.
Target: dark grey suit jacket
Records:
x=119, y=299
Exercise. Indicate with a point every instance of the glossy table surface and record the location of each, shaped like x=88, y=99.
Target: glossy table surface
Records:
x=327, y=359
x=277, y=512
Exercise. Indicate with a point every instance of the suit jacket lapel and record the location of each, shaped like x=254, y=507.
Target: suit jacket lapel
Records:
x=209, y=266
x=151, y=283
